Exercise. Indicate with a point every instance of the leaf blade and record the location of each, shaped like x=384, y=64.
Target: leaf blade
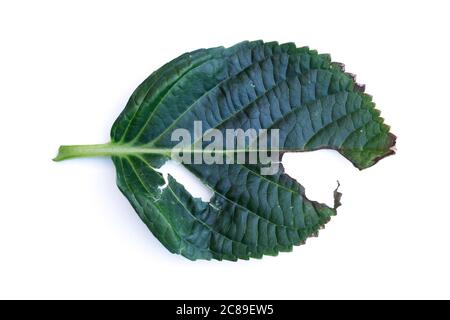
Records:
x=252, y=85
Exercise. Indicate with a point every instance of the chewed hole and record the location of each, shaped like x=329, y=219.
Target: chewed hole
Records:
x=183, y=176
x=318, y=172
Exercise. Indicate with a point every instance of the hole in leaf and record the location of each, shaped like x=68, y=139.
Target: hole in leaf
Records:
x=317, y=172
x=183, y=176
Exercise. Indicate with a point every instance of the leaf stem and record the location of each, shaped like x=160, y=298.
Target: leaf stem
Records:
x=103, y=150
x=118, y=149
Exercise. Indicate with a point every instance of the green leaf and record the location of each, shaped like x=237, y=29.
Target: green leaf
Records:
x=311, y=100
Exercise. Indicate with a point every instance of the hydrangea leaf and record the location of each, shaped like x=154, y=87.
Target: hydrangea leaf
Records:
x=311, y=100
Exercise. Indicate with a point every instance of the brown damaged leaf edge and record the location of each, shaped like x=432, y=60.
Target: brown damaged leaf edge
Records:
x=299, y=96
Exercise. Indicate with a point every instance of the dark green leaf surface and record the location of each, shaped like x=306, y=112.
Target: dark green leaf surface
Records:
x=310, y=99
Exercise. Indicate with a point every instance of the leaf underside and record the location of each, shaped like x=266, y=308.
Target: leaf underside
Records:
x=310, y=99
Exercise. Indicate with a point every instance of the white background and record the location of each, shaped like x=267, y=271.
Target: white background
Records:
x=67, y=69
